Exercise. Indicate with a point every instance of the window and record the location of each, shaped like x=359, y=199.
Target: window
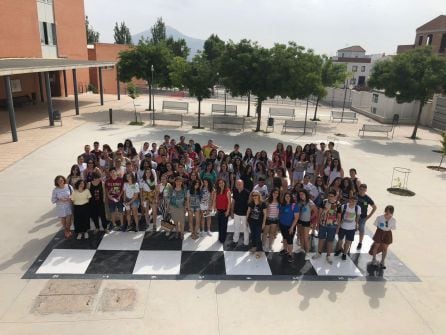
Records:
x=48, y=33
x=443, y=43
x=53, y=33
x=429, y=39
x=375, y=99
x=354, y=68
x=374, y=110
x=420, y=40
x=362, y=68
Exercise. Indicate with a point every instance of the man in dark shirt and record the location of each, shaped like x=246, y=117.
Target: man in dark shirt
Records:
x=236, y=153
x=88, y=155
x=239, y=207
x=96, y=151
x=364, y=201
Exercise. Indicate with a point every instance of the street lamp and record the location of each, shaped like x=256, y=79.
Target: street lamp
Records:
x=349, y=86
x=152, y=69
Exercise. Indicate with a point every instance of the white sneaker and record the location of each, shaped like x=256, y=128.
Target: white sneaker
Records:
x=298, y=250
x=209, y=233
x=79, y=237
x=329, y=260
x=307, y=257
x=316, y=256
x=86, y=235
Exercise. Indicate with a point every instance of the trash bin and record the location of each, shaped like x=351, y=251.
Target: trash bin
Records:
x=57, y=117
x=270, y=123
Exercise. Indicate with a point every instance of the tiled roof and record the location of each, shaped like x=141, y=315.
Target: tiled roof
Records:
x=439, y=23
x=354, y=48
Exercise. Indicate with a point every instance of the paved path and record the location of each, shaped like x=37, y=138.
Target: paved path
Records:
x=213, y=307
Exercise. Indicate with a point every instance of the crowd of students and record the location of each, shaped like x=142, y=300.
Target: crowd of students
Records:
x=299, y=191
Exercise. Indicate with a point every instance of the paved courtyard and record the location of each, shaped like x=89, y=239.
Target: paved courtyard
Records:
x=73, y=306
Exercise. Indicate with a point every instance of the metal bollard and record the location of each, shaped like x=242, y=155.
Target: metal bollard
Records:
x=110, y=115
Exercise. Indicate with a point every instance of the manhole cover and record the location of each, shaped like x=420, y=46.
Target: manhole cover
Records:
x=113, y=300
x=401, y=191
x=63, y=304
x=69, y=287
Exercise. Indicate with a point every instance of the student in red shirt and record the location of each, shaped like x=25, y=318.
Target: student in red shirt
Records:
x=222, y=204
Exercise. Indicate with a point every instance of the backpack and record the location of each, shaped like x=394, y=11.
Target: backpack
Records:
x=344, y=209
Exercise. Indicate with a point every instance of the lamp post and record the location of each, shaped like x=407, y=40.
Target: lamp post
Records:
x=349, y=86
x=152, y=69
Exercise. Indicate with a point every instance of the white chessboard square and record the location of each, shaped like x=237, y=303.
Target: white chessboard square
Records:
x=246, y=263
x=158, y=262
x=203, y=243
x=67, y=261
x=118, y=240
x=338, y=268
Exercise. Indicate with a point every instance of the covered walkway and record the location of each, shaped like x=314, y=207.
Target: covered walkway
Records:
x=43, y=67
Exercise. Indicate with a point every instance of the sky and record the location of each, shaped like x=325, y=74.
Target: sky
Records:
x=322, y=25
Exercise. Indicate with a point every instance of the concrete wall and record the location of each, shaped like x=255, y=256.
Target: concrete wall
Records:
x=335, y=97
x=384, y=109
x=19, y=29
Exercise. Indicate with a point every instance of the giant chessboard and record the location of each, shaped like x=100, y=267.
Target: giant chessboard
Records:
x=153, y=255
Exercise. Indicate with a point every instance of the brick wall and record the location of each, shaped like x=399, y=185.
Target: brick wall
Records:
x=19, y=29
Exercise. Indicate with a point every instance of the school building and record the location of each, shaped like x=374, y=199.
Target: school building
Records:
x=44, y=54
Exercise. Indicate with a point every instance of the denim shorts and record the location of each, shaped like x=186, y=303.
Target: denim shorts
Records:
x=361, y=222
x=327, y=232
x=348, y=234
x=135, y=203
x=113, y=206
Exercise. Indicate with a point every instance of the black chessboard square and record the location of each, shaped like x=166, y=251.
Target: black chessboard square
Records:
x=202, y=263
x=112, y=262
x=159, y=241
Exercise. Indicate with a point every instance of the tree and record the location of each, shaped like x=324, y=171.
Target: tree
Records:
x=213, y=48
x=177, y=70
x=158, y=31
x=412, y=76
x=199, y=78
x=297, y=72
x=178, y=47
x=236, y=67
x=92, y=36
x=138, y=61
x=331, y=75
x=122, y=34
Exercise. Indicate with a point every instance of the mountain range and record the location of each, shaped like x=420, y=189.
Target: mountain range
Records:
x=193, y=43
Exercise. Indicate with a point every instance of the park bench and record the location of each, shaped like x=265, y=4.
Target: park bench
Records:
x=346, y=115
x=281, y=112
x=376, y=128
x=176, y=105
x=291, y=124
x=228, y=122
x=166, y=117
x=220, y=109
